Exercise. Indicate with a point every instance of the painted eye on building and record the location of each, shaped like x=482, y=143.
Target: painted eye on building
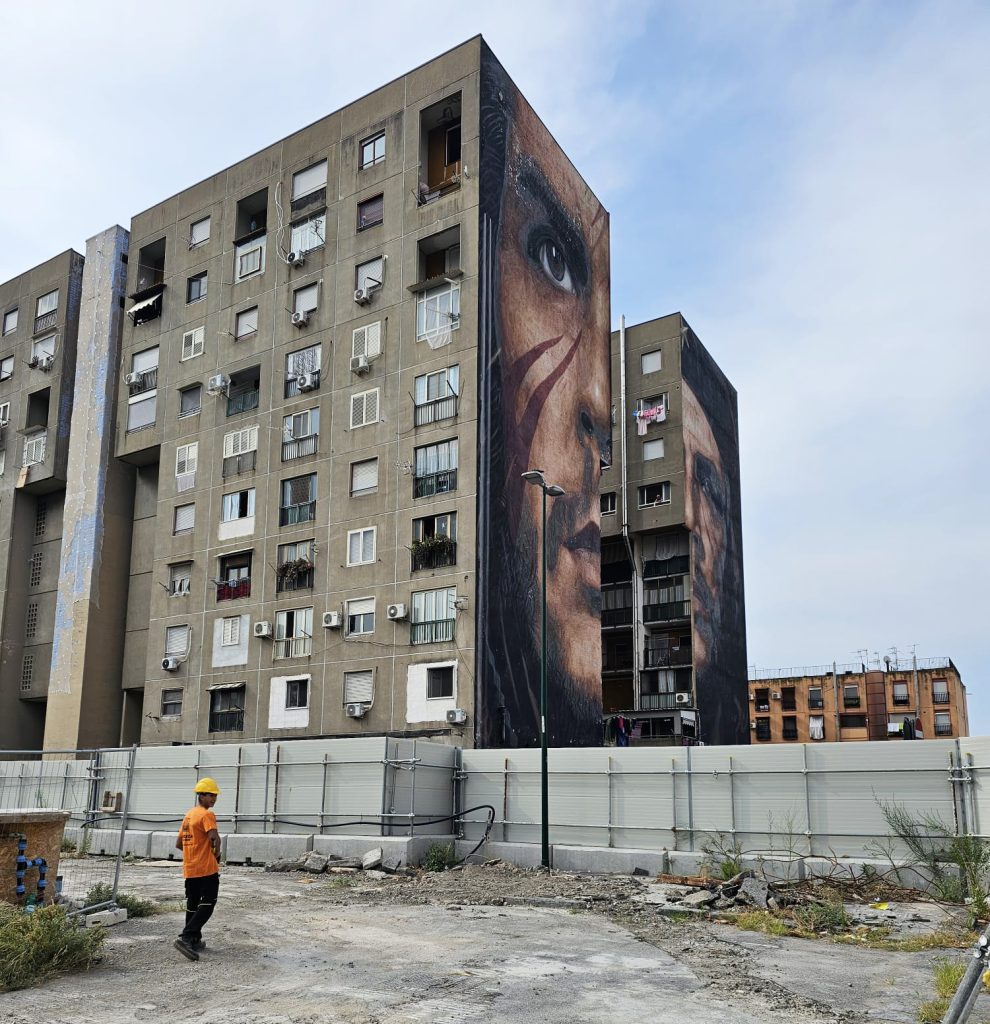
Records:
x=549, y=256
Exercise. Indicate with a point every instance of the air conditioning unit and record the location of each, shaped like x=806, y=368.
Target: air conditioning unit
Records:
x=218, y=384
x=263, y=629
x=456, y=716
x=776, y=695
x=332, y=620
x=396, y=611
x=460, y=603
x=308, y=381
x=355, y=710
x=360, y=364
x=46, y=363
x=33, y=362
x=295, y=259
x=752, y=696
x=682, y=698
x=752, y=725
x=171, y=663
x=300, y=318
x=362, y=296
x=134, y=380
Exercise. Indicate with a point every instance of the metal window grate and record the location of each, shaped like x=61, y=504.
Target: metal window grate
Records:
x=40, y=518
x=36, y=562
x=27, y=672
x=31, y=621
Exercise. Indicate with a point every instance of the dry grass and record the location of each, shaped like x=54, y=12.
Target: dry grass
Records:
x=38, y=946
x=946, y=977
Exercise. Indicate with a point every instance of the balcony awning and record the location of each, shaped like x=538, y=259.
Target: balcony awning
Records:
x=146, y=309
x=689, y=716
x=226, y=686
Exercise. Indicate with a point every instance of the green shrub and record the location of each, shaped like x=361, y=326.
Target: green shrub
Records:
x=38, y=946
x=827, y=916
x=440, y=857
x=134, y=905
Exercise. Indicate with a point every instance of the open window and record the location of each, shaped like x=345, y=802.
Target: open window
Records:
x=234, y=579
x=252, y=216
x=440, y=149
x=244, y=390
x=150, y=283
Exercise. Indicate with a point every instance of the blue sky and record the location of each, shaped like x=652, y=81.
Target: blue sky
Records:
x=806, y=182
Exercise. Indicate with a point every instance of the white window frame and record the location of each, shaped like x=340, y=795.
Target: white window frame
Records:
x=663, y=499
x=139, y=401
x=372, y=141
x=370, y=274
x=176, y=642
x=367, y=340
x=240, y=442
x=359, y=687
x=299, y=643
x=204, y=280
x=309, y=233
x=423, y=599
x=249, y=259
x=309, y=424
x=4, y=413
x=310, y=179
x=445, y=313
x=180, y=530
x=367, y=546
x=230, y=631
x=647, y=358
x=10, y=321
x=180, y=579
x=204, y=235
x=186, y=458
x=227, y=506
x=655, y=445
x=307, y=298
x=361, y=492
x=193, y=344
x=363, y=607
x=50, y=299
x=245, y=317
x=44, y=347
x=614, y=503
x=145, y=361
x=450, y=388
x=361, y=401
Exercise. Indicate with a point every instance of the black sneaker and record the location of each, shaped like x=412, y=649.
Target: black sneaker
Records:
x=186, y=950
x=199, y=944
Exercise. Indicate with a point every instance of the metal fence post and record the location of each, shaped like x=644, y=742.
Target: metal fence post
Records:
x=132, y=757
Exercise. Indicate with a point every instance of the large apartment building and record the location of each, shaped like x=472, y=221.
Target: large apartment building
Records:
x=673, y=619
x=915, y=699
x=300, y=510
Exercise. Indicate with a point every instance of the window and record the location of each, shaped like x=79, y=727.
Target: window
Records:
x=310, y=179
x=199, y=232
x=359, y=687
x=300, y=433
x=186, y=460
x=762, y=700
x=852, y=721
x=436, y=395
x=790, y=730
x=433, y=616
x=40, y=517
x=237, y=505
x=244, y=391
x=296, y=693
x=815, y=697
x=250, y=258
x=3, y=461
x=227, y=708
x=364, y=408
x=37, y=560
x=294, y=566
x=238, y=442
x=298, y=500
x=142, y=410
x=440, y=682
x=650, y=362
x=370, y=274
x=367, y=340
x=185, y=518
x=308, y=234
x=46, y=314
x=31, y=621
x=364, y=477
x=298, y=365
x=943, y=724
x=196, y=287
x=940, y=691
x=788, y=698
x=850, y=695
x=653, y=449
x=306, y=299
x=230, y=631
x=434, y=541
x=172, y=703
x=251, y=220
x=607, y=503
x=43, y=348
x=190, y=400
x=246, y=323
x=370, y=212
x=177, y=640
x=145, y=362
x=438, y=312
x=361, y=546
x=435, y=469
x=35, y=448
x=372, y=150
x=10, y=321
x=193, y=343
x=294, y=633
x=4, y=413
x=7, y=368
x=180, y=579
x=654, y=494
x=763, y=728
x=901, y=697
x=361, y=616
x=27, y=672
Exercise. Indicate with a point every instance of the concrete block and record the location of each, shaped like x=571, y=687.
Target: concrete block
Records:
x=161, y=846
x=523, y=855
x=397, y=851
x=249, y=848
x=684, y=862
x=137, y=843
x=104, y=841
x=609, y=860
x=106, y=918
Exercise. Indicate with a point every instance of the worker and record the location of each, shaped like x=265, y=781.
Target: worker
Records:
x=199, y=842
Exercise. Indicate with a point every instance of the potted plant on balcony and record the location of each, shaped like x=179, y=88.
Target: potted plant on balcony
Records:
x=435, y=547
x=289, y=572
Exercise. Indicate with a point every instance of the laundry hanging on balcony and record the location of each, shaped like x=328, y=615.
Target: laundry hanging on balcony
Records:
x=647, y=415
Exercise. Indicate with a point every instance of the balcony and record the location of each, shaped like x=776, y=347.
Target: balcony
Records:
x=230, y=590
x=433, y=553
x=901, y=700
x=430, y=193
x=656, y=567
x=149, y=381
x=432, y=412
x=234, y=465
x=666, y=657
x=226, y=721
x=667, y=612
x=292, y=515
x=657, y=701
x=943, y=728
x=435, y=483
x=293, y=647
x=297, y=579
x=851, y=702
x=617, y=616
x=940, y=698
x=815, y=703
x=46, y=321
x=243, y=402
x=435, y=632
x=299, y=447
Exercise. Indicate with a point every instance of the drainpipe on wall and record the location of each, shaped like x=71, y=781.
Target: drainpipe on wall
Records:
x=625, y=514
x=835, y=687
x=917, y=687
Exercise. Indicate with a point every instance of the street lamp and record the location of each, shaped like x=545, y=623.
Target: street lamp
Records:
x=537, y=479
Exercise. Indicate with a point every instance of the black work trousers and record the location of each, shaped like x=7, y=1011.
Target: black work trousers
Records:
x=201, y=898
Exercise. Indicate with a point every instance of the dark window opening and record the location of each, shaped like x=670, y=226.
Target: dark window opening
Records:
x=790, y=730
x=440, y=149
x=252, y=216
x=151, y=265
x=440, y=682
x=763, y=728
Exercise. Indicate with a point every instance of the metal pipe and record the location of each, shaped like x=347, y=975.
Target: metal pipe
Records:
x=268, y=758
x=412, y=795
x=123, y=819
x=608, y=779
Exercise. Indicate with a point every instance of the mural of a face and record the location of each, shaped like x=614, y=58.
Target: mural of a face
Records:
x=549, y=387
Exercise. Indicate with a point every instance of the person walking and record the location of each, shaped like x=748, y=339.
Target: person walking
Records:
x=199, y=842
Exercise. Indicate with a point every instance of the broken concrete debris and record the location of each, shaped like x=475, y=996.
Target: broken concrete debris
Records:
x=373, y=863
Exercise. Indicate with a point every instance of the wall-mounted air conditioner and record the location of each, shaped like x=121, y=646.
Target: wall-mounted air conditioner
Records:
x=682, y=698
x=332, y=620
x=263, y=630
x=355, y=710
x=135, y=379
x=300, y=318
x=218, y=384
x=456, y=716
x=171, y=663
x=396, y=612
x=360, y=365
x=362, y=296
x=295, y=259
x=308, y=381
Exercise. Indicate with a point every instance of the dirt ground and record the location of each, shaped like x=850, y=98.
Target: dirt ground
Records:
x=486, y=943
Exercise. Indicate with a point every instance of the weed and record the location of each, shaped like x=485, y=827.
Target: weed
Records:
x=827, y=916
x=946, y=977
x=723, y=856
x=440, y=857
x=36, y=947
x=763, y=921
x=134, y=905
x=68, y=845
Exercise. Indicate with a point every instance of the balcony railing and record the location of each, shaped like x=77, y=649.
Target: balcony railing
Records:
x=242, y=402
x=149, y=381
x=850, y=702
x=666, y=657
x=439, y=409
x=435, y=483
x=294, y=647
x=657, y=701
x=617, y=616
x=430, y=193
x=226, y=721
x=433, y=556
x=434, y=632
x=301, y=581
x=229, y=590
x=234, y=465
x=943, y=730
x=676, y=566
x=901, y=699
x=816, y=703
x=299, y=447
x=617, y=661
x=291, y=515
x=666, y=612
x=46, y=321
x=940, y=698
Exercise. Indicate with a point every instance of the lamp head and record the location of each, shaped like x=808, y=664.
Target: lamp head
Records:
x=553, y=491
x=534, y=476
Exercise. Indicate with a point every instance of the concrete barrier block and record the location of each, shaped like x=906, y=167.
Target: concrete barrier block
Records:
x=161, y=846
x=137, y=843
x=609, y=860
x=260, y=849
x=106, y=918
x=397, y=851
x=686, y=862
x=774, y=869
x=104, y=841
x=523, y=855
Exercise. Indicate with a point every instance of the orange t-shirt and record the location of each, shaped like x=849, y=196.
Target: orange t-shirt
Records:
x=198, y=860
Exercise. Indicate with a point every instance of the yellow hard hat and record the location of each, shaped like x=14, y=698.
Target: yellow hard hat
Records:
x=207, y=786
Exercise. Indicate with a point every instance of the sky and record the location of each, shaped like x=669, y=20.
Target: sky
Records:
x=805, y=182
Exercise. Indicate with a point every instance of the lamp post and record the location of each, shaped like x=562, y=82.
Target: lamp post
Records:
x=536, y=477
